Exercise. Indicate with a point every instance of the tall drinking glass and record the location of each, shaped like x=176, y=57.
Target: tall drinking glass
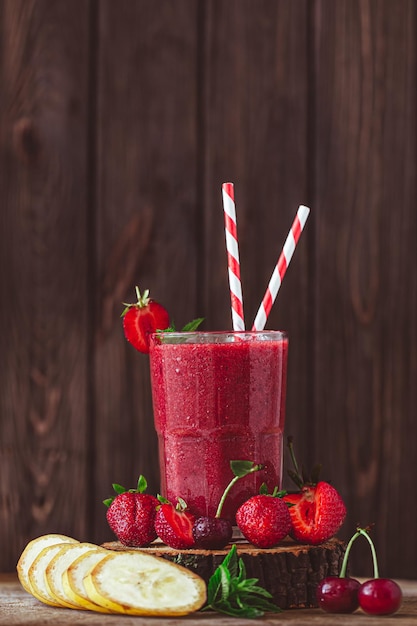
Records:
x=218, y=397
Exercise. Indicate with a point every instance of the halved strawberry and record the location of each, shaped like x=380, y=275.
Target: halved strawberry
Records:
x=317, y=511
x=142, y=318
x=174, y=524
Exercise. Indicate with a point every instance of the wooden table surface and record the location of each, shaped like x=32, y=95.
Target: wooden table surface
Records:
x=18, y=607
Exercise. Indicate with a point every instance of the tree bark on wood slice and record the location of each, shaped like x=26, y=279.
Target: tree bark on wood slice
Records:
x=289, y=571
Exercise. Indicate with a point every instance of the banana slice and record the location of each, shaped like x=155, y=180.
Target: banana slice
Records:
x=136, y=583
x=72, y=579
x=32, y=550
x=58, y=565
x=37, y=575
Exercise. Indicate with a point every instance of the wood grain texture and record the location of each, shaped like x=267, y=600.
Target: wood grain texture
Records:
x=146, y=216
x=43, y=384
x=289, y=571
x=365, y=248
x=18, y=607
x=255, y=134
x=118, y=124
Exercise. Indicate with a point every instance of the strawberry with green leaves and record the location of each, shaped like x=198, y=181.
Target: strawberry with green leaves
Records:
x=264, y=519
x=142, y=318
x=131, y=514
x=317, y=510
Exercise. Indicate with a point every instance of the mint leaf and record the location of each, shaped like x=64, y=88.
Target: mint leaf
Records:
x=230, y=561
x=190, y=327
x=231, y=593
x=193, y=325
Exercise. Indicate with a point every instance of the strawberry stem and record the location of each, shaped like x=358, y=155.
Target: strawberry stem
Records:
x=292, y=454
x=240, y=469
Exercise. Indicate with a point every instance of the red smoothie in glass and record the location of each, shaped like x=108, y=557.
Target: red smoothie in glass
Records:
x=218, y=397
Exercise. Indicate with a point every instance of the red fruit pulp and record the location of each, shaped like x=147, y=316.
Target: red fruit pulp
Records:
x=317, y=513
x=380, y=596
x=338, y=595
x=217, y=402
x=174, y=527
x=140, y=321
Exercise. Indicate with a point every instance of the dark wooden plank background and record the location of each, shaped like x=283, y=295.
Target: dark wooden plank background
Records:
x=118, y=124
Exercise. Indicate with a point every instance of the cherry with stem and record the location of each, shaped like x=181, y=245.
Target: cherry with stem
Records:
x=339, y=594
x=214, y=533
x=378, y=596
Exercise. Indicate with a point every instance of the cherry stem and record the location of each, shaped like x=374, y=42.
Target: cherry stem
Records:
x=346, y=555
x=363, y=532
x=234, y=480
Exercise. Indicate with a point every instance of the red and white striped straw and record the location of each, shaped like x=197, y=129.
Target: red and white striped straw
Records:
x=233, y=256
x=280, y=268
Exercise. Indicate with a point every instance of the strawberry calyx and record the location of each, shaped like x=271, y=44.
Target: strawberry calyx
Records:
x=299, y=476
x=276, y=493
x=181, y=505
x=119, y=489
x=142, y=301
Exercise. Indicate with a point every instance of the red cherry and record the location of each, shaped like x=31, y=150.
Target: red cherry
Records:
x=380, y=596
x=338, y=595
x=212, y=533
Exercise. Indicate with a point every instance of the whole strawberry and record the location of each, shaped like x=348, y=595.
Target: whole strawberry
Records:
x=174, y=524
x=131, y=514
x=317, y=510
x=142, y=318
x=264, y=519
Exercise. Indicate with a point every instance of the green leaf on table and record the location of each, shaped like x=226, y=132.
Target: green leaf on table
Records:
x=231, y=593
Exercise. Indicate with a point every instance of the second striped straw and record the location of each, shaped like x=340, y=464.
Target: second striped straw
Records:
x=280, y=268
x=233, y=256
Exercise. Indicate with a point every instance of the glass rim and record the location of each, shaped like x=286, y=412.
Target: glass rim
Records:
x=212, y=334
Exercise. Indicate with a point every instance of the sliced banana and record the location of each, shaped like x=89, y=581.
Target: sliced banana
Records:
x=57, y=566
x=37, y=575
x=136, y=583
x=32, y=550
x=72, y=579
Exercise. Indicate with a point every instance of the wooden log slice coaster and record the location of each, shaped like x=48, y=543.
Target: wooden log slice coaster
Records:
x=290, y=571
